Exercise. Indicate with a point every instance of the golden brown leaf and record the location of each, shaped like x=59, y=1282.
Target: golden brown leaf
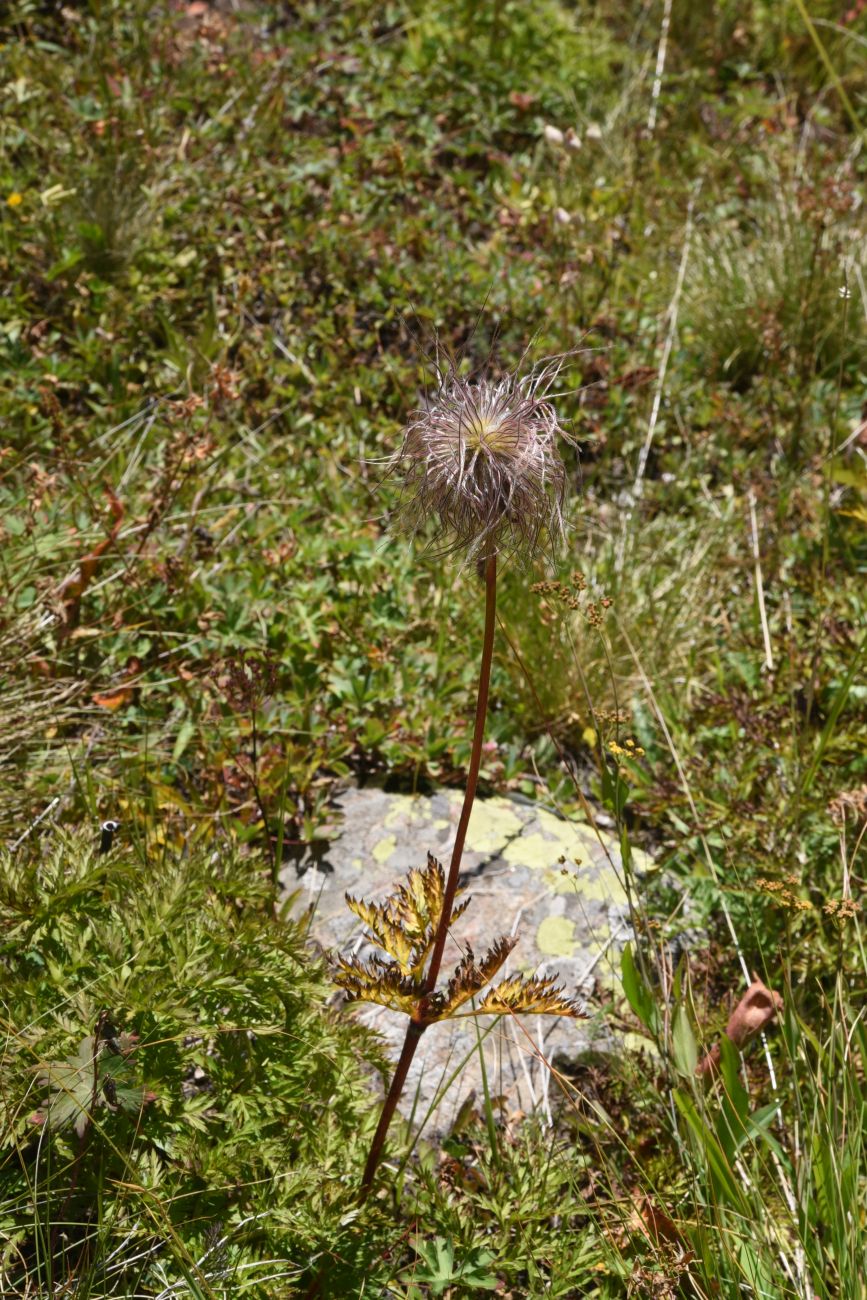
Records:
x=405, y=924
x=529, y=997
x=470, y=978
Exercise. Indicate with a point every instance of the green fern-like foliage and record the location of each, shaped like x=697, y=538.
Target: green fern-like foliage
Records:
x=404, y=927
x=172, y=1124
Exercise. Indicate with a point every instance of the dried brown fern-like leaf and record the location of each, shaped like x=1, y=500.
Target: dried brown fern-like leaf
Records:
x=405, y=924
x=533, y=996
x=384, y=931
x=470, y=978
x=377, y=981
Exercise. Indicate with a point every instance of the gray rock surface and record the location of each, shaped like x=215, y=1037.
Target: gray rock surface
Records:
x=557, y=884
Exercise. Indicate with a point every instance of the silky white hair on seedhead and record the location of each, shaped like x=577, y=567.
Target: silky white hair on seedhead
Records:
x=481, y=457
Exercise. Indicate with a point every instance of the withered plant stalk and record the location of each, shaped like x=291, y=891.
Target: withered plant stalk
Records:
x=418, y=1022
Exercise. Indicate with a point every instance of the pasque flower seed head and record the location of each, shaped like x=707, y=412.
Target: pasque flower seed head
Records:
x=480, y=458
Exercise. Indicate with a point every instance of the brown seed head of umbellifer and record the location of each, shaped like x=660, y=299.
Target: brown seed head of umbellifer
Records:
x=480, y=457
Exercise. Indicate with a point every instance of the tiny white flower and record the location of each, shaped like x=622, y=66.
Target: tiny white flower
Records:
x=553, y=134
x=573, y=140
x=562, y=217
x=594, y=131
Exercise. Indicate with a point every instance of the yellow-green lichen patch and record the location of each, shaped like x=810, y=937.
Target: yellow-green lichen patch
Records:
x=564, y=879
x=642, y=862
x=590, y=844
x=384, y=849
x=554, y=827
x=555, y=936
x=596, y=882
x=600, y=884
x=356, y=862
x=492, y=823
x=533, y=851
x=406, y=808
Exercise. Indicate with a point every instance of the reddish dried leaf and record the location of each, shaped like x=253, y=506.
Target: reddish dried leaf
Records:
x=756, y=1009
x=113, y=699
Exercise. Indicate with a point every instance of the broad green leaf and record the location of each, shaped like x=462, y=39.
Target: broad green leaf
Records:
x=73, y=1088
x=83, y=1083
x=734, y=1102
x=730, y=1065
x=683, y=1042
x=760, y=1278
x=185, y=734
x=638, y=995
x=440, y=1270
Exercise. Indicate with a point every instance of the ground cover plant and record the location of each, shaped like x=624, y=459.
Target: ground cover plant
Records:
x=231, y=238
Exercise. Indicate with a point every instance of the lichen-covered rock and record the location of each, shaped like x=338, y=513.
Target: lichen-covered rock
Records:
x=557, y=884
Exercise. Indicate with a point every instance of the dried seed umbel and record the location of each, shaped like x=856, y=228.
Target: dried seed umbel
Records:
x=481, y=459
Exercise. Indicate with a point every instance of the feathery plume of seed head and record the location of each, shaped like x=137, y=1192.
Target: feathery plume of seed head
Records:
x=481, y=458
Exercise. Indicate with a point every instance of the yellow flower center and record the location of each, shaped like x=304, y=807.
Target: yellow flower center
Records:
x=488, y=432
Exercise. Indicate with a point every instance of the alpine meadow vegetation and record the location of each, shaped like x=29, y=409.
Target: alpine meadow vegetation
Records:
x=290, y=502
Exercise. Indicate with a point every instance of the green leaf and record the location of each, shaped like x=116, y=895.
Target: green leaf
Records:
x=83, y=1082
x=734, y=1105
x=721, y=1175
x=73, y=1088
x=439, y=1269
x=683, y=1042
x=65, y=264
x=853, y=475
x=185, y=734
x=730, y=1066
x=638, y=995
x=118, y=1085
x=437, y=1259
x=761, y=1279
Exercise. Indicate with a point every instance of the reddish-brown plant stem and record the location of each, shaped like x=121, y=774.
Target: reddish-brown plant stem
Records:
x=414, y=1031
x=416, y=1027
x=436, y=959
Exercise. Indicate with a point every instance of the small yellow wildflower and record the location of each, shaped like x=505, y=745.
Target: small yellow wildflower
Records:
x=630, y=749
x=15, y=199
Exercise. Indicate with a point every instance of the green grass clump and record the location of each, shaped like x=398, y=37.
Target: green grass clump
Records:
x=766, y=300
x=756, y=1177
